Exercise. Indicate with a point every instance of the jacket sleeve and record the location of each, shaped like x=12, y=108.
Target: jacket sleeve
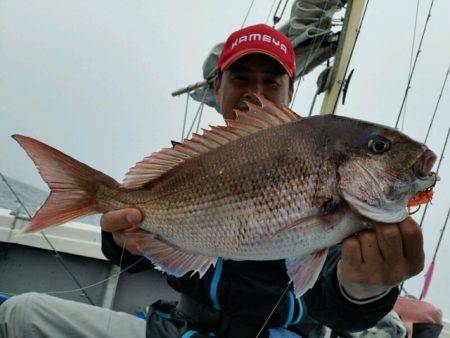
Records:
x=114, y=253
x=326, y=304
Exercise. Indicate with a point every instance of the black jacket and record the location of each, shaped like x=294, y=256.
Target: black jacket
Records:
x=248, y=290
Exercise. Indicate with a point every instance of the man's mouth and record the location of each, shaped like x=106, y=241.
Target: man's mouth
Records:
x=242, y=105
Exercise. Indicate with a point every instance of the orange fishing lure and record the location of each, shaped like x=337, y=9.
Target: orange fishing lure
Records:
x=421, y=197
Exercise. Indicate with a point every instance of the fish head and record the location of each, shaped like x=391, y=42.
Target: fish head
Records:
x=380, y=169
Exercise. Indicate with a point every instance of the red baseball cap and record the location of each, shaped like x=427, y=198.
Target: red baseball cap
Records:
x=258, y=39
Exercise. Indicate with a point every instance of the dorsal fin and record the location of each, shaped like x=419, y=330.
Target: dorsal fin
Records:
x=284, y=112
x=257, y=118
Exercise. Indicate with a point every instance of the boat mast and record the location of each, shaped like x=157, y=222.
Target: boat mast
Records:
x=344, y=51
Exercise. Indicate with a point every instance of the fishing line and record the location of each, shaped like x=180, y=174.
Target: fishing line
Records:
x=408, y=86
x=426, y=205
x=248, y=12
x=198, y=111
x=313, y=103
x=270, y=12
x=429, y=273
x=411, y=58
x=276, y=18
x=202, y=105
x=415, y=211
x=56, y=255
x=437, y=104
x=273, y=310
x=185, y=116
x=441, y=235
x=437, y=171
x=120, y=267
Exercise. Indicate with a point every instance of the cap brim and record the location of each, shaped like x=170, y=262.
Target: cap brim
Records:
x=256, y=51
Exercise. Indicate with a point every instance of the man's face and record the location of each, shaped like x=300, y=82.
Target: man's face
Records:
x=255, y=73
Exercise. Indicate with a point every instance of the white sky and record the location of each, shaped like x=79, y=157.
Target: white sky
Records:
x=94, y=80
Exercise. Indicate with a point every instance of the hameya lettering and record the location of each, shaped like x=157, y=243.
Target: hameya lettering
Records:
x=259, y=37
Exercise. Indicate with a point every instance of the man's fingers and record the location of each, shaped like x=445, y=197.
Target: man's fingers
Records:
x=369, y=247
x=351, y=252
x=412, y=245
x=120, y=219
x=390, y=241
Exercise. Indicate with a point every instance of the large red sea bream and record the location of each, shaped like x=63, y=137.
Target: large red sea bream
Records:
x=270, y=185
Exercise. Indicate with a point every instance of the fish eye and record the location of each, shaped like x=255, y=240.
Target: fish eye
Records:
x=378, y=145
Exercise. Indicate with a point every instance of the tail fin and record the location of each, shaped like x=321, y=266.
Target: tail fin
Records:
x=73, y=185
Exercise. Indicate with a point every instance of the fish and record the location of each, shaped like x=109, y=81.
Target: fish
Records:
x=268, y=185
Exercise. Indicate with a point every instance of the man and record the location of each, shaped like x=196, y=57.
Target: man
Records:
x=356, y=287
x=358, y=283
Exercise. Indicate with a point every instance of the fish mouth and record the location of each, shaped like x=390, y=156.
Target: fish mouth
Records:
x=423, y=183
x=424, y=163
x=425, y=178
x=388, y=211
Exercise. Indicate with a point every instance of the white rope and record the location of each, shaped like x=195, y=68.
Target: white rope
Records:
x=85, y=287
x=57, y=256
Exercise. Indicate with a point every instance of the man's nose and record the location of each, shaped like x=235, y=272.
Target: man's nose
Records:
x=249, y=96
x=256, y=87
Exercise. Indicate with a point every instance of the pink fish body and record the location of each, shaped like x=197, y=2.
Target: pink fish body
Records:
x=268, y=186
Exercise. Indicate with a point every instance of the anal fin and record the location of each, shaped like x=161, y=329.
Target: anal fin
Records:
x=304, y=271
x=169, y=258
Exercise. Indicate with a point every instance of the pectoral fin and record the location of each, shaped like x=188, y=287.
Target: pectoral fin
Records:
x=303, y=271
x=169, y=258
x=328, y=213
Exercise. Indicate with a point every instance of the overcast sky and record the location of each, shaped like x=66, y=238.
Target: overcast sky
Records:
x=94, y=80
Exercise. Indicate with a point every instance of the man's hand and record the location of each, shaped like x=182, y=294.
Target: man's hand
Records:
x=121, y=222
x=374, y=261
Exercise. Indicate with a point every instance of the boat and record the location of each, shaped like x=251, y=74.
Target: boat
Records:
x=69, y=263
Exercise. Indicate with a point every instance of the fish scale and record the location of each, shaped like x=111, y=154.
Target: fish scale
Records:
x=242, y=185
x=288, y=189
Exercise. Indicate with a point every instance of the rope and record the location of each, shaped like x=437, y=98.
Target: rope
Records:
x=56, y=255
x=323, y=37
x=309, y=56
x=437, y=104
x=313, y=103
x=408, y=86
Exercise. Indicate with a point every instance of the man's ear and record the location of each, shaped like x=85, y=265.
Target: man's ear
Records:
x=216, y=85
x=216, y=89
x=290, y=93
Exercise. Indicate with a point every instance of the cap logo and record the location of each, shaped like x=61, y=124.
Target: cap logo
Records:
x=259, y=37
